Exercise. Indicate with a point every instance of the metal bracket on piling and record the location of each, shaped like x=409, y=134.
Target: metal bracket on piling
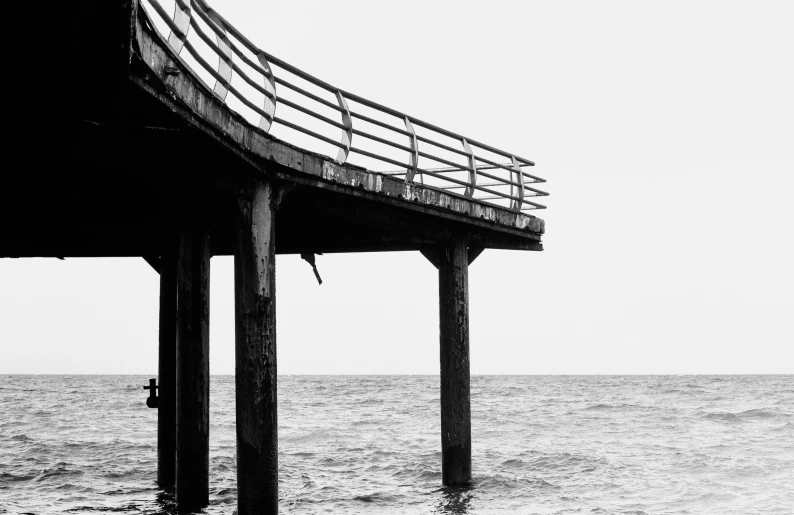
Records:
x=309, y=258
x=152, y=400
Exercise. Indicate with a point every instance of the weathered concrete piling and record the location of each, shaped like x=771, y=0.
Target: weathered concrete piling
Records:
x=255, y=350
x=193, y=369
x=166, y=413
x=452, y=261
x=453, y=299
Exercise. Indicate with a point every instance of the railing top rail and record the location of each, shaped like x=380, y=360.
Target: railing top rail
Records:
x=350, y=96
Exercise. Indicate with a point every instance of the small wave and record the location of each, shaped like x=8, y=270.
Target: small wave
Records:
x=60, y=469
x=751, y=414
x=514, y=463
x=721, y=416
x=617, y=407
x=371, y=402
x=22, y=438
x=11, y=478
x=603, y=407
x=758, y=413
x=376, y=497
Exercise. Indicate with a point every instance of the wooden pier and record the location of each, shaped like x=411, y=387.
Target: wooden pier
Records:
x=146, y=160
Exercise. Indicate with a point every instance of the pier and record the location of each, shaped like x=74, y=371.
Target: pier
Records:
x=149, y=160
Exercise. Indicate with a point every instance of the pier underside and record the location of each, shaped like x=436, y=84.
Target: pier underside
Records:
x=135, y=135
x=103, y=188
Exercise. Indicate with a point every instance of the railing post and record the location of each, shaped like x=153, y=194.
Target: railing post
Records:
x=270, y=85
x=181, y=18
x=224, y=61
x=472, y=170
x=347, y=136
x=520, y=180
x=414, y=157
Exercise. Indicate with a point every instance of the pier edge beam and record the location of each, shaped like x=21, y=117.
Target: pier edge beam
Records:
x=452, y=261
x=192, y=369
x=166, y=408
x=255, y=350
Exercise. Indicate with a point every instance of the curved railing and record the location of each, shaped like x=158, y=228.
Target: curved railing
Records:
x=384, y=135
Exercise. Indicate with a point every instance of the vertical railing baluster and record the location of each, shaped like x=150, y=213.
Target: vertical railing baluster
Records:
x=519, y=178
x=472, y=169
x=413, y=159
x=181, y=19
x=224, y=61
x=270, y=85
x=347, y=135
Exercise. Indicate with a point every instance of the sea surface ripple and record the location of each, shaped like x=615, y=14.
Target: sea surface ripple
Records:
x=370, y=444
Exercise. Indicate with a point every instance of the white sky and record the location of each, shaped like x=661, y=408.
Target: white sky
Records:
x=665, y=131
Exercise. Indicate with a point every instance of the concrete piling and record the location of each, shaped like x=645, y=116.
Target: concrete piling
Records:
x=255, y=351
x=166, y=413
x=453, y=289
x=192, y=369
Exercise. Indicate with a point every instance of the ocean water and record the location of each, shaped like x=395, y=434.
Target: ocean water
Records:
x=353, y=444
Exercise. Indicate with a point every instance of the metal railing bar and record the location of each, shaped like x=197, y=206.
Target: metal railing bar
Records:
x=537, y=206
x=236, y=68
x=441, y=160
x=460, y=169
x=356, y=98
x=506, y=182
x=379, y=123
x=165, y=16
x=203, y=6
x=450, y=134
x=381, y=140
x=511, y=170
x=441, y=145
x=376, y=156
x=204, y=63
x=307, y=132
x=458, y=187
x=272, y=59
x=253, y=84
x=305, y=93
x=220, y=26
x=478, y=184
x=305, y=110
x=217, y=76
x=462, y=153
x=219, y=31
x=462, y=183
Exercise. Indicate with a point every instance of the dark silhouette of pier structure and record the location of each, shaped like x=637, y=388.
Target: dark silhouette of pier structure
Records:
x=146, y=158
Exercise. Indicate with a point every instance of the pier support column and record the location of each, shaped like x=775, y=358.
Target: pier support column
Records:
x=166, y=407
x=192, y=369
x=255, y=351
x=452, y=262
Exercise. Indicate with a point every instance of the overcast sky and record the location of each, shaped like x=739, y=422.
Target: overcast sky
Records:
x=665, y=131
